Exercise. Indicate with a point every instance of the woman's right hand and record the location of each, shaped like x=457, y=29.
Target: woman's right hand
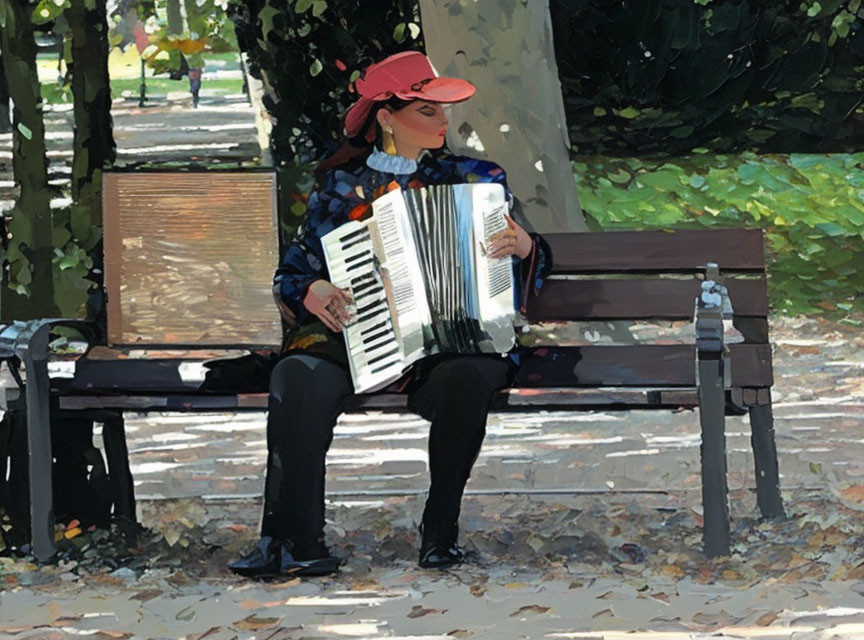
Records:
x=330, y=304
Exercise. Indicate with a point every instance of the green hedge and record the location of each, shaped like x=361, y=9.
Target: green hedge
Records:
x=811, y=207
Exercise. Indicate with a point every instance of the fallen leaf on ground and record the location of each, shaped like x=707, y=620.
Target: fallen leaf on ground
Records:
x=851, y=495
x=147, y=594
x=206, y=634
x=171, y=537
x=633, y=551
x=186, y=614
x=254, y=623
x=604, y=613
x=672, y=571
x=284, y=584
x=765, y=619
x=709, y=621
x=417, y=611
x=478, y=590
x=530, y=608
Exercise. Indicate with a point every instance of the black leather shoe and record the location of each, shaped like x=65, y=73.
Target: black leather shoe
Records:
x=272, y=558
x=438, y=548
x=261, y=562
x=291, y=566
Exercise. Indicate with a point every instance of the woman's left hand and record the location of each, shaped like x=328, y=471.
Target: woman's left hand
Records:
x=513, y=239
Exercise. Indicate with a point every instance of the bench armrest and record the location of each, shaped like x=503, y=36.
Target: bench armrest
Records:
x=28, y=341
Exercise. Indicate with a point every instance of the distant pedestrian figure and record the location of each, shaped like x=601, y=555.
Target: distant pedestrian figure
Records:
x=194, y=84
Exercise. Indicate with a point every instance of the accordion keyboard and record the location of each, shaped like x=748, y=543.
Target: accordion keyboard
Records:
x=374, y=352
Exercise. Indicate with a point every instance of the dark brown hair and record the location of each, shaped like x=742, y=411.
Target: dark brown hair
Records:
x=352, y=152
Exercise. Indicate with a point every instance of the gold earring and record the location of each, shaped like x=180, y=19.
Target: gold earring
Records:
x=387, y=141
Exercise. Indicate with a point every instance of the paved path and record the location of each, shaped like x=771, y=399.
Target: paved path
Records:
x=620, y=564
x=168, y=129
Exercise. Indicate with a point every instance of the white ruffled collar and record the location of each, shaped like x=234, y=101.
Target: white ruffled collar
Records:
x=386, y=163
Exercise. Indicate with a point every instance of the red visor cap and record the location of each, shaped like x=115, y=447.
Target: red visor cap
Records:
x=408, y=76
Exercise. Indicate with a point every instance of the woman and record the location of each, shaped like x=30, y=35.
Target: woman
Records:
x=394, y=133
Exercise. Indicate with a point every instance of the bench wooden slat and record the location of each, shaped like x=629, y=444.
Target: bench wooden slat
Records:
x=637, y=366
x=594, y=366
x=518, y=400
x=638, y=298
x=646, y=251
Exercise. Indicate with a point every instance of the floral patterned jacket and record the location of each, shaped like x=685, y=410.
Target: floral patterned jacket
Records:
x=347, y=195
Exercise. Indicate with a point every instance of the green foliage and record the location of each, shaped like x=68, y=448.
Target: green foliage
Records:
x=307, y=52
x=206, y=29
x=46, y=11
x=71, y=262
x=811, y=207
x=729, y=75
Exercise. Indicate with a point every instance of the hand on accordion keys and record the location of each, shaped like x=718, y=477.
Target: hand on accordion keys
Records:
x=513, y=239
x=334, y=306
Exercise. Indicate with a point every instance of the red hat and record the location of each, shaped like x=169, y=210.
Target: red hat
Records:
x=408, y=76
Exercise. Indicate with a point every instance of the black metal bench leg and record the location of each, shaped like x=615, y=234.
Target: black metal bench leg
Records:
x=713, y=450
x=765, y=456
x=114, y=438
x=16, y=496
x=35, y=358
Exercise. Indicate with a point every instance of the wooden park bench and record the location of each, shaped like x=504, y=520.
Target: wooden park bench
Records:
x=163, y=252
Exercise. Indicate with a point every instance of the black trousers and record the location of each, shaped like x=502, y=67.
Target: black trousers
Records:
x=307, y=395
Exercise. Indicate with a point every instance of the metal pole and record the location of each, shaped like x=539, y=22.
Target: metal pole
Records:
x=142, y=88
x=33, y=350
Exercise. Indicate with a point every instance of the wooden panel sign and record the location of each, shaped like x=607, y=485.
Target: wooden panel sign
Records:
x=190, y=257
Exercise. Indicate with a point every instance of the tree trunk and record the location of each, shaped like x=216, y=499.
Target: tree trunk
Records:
x=93, y=141
x=175, y=17
x=517, y=117
x=30, y=251
x=5, y=116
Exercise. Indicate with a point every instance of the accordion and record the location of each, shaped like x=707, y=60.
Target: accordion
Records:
x=421, y=279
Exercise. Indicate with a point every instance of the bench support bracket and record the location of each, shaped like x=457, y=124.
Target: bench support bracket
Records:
x=29, y=342
x=712, y=404
x=765, y=457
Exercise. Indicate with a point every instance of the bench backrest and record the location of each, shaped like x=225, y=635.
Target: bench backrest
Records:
x=648, y=275
x=189, y=258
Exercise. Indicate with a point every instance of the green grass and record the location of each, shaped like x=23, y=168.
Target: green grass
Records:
x=157, y=86
x=161, y=86
x=811, y=207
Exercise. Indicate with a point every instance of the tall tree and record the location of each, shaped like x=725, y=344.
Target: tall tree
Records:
x=517, y=117
x=5, y=116
x=93, y=141
x=174, y=16
x=28, y=285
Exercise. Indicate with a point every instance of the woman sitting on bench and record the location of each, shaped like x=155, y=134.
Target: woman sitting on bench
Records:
x=395, y=133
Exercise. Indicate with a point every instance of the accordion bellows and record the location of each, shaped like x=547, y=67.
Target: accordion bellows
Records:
x=421, y=280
